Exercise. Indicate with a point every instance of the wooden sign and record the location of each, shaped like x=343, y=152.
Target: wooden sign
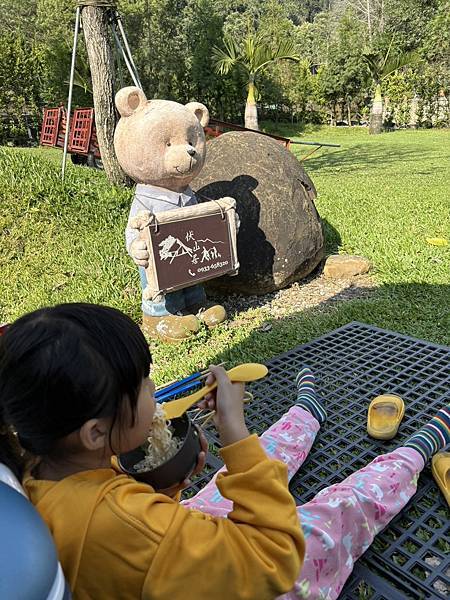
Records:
x=190, y=245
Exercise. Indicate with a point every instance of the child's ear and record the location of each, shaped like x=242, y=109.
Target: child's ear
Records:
x=94, y=434
x=129, y=100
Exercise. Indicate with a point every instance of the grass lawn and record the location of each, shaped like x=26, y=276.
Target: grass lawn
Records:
x=379, y=196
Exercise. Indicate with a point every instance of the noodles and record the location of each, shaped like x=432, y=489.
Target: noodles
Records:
x=161, y=444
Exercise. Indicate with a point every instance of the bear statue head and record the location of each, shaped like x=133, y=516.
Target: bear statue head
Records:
x=159, y=142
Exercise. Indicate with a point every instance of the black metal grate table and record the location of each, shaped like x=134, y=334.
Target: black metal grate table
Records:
x=353, y=364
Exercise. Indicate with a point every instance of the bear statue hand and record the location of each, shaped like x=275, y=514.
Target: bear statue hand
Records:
x=141, y=219
x=139, y=252
x=237, y=221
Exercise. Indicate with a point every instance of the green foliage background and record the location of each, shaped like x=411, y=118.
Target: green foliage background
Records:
x=172, y=41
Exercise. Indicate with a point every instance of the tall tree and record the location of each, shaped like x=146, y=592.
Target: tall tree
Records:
x=433, y=78
x=380, y=65
x=20, y=69
x=157, y=37
x=18, y=15
x=253, y=56
x=96, y=32
x=371, y=12
x=54, y=36
x=406, y=21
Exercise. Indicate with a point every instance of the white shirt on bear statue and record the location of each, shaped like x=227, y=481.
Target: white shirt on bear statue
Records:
x=155, y=200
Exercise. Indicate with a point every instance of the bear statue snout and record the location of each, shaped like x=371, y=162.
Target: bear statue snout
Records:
x=182, y=160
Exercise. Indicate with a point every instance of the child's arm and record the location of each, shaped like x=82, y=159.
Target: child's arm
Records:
x=256, y=553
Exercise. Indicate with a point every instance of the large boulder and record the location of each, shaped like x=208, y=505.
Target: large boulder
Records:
x=280, y=238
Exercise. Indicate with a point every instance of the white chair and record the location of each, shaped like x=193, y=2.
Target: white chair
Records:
x=29, y=567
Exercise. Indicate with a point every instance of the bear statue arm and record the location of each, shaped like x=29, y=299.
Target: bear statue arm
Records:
x=136, y=247
x=130, y=236
x=136, y=222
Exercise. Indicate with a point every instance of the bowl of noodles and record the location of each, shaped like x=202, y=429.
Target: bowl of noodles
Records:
x=169, y=456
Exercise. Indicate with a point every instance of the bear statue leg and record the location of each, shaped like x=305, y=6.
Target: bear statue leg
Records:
x=209, y=313
x=164, y=318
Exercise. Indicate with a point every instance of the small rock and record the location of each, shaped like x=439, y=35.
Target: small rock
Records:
x=441, y=587
x=339, y=266
x=432, y=561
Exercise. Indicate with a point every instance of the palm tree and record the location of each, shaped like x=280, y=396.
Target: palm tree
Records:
x=380, y=66
x=253, y=55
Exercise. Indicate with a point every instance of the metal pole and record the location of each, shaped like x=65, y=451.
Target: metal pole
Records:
x=316, y=144
x=119, y=45
x=119, y=65
x=127, y=47
x=69, y=100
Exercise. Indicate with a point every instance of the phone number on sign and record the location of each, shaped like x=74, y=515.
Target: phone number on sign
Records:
x=216, y=265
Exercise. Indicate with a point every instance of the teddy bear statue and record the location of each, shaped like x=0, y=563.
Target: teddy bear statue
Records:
x=161, y=145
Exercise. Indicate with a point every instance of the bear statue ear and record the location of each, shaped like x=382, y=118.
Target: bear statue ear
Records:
x=200, y=111
x=129, y=99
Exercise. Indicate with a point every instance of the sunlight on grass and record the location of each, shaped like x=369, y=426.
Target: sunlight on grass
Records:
x=380, y=196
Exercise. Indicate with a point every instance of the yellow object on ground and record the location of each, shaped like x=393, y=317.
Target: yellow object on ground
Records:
x=384, y=416
x=437, y=241
x=440, y=467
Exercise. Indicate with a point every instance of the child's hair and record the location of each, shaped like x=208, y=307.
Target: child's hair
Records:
x=60, y=367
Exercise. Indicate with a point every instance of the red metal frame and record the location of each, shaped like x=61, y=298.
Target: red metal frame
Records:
x=50, y=126
x=81, y=130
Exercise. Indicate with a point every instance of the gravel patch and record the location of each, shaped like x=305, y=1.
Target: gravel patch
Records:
x=315, y=291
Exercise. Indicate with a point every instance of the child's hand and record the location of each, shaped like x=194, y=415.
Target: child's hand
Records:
x=228, y=402
x=179, y=487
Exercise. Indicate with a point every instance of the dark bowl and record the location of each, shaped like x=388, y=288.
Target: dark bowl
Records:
x=176, y=469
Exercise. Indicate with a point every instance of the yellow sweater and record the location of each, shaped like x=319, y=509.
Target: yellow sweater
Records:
x=118, y=539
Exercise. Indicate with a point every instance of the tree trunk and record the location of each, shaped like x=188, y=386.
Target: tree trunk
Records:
x=369, y=22
x=382, y=16
x=376, y=112
x=349, y=114
x=101, y=62
x=333, y=115
x=251, y=110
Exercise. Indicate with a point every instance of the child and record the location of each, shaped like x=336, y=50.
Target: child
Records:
x=116, y=538
x=74, y=386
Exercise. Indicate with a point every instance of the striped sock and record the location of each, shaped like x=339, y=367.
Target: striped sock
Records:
x=434, y=436
x=307, y=396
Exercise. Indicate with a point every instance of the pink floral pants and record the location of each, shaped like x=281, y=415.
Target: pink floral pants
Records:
x=341, y=521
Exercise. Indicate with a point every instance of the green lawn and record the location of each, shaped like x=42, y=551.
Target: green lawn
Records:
x=380, y=196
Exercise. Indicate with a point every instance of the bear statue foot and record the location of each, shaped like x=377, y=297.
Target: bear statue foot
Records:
x=210, y=314
x=170, y=328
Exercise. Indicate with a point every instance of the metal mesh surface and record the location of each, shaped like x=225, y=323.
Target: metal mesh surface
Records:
x=353, y=364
